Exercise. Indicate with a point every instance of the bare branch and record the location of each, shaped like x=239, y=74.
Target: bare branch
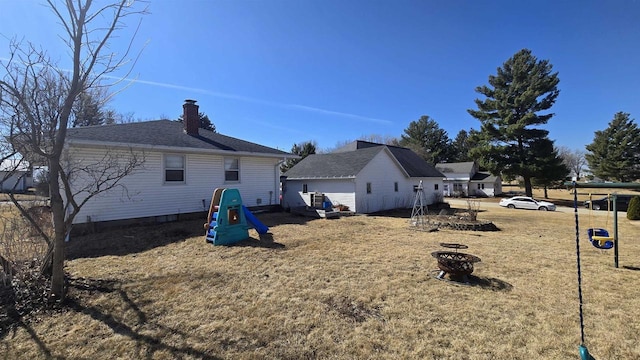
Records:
x=83, y=179
x=37, y=102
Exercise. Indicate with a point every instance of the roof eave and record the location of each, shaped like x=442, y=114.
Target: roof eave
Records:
x=90, y=143
x=320, y=177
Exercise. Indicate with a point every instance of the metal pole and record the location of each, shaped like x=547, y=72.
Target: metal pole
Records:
x=615, y=230
x=575, y=212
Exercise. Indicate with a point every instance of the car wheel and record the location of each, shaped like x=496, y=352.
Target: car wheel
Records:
x=543, y=208
x=596, y=207
x=511, y=206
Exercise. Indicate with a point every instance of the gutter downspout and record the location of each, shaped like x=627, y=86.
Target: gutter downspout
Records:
x=276, y=172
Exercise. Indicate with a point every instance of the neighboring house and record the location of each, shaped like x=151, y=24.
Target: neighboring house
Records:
x=366, y=177
x=15, y=181
x=183, y=165
x=466, y=179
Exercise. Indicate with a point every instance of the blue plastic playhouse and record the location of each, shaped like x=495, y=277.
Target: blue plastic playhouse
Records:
x=229, y=221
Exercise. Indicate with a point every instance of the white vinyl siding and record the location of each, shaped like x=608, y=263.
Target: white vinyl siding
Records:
x=142, y=193
x=382, y=173
x=336, y=191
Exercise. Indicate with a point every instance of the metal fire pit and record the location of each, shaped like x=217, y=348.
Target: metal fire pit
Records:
x=455, y=264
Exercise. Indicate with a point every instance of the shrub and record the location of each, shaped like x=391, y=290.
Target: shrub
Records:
x=633, y=212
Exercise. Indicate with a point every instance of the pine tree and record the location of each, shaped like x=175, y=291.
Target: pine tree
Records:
x=205, y=123
x=88, y=108
x=303, y=150
x=462, y=145
x=522, y=88
x=428, y=140
x=614, y=153
x=552, y=169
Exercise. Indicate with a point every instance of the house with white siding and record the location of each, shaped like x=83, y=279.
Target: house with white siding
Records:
x=15, y=180
x=367, y=177
x=182, y=166
x=466, y=179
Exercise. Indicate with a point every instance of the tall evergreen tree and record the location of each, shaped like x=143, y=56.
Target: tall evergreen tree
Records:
x=614, y=153
x=303, y=150
x=552, y=168
x=523, y=87
x=88, y=109
x=462, y=145
x=428, y=140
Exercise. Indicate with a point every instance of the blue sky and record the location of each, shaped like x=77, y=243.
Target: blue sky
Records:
x=279, y=72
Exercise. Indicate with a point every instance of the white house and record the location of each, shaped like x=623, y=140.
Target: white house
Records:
x=366, y=177
x=466, y=179
x=15, y=181
x=183, y=165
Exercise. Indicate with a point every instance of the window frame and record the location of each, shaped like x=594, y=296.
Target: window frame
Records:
x=229, y=170
x=305, y=188
x=369, y=188
x=395, y=186
x=165, y=168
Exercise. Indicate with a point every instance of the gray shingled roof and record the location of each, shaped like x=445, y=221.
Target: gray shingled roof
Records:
x=349, y=160
x=483, y=176
x=166, y=133
x=332, y=165
x=413, y=164
x=458, y=168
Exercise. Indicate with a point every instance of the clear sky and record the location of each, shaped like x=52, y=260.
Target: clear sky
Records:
x=279, y=72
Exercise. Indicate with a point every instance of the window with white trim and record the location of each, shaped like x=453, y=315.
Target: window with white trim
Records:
x=174, y=166
x=368, y=188
x=231, y=169
x=305, y=188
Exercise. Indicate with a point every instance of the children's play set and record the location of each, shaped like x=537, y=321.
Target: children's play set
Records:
x=228, y=221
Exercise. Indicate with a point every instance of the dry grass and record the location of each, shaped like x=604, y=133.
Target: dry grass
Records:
x=356, y=287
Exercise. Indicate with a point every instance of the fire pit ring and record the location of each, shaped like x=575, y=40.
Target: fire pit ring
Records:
x=455, y=263
x=454, y=246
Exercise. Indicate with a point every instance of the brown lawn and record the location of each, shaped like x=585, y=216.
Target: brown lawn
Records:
x=357, y=287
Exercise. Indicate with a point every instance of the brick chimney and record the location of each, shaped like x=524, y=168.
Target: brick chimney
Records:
x=190, y=117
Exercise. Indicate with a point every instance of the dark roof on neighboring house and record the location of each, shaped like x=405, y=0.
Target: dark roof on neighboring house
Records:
x=413, y=164
x=483, y=176
x=332, y=165
x=457, y=168
x=349, y=160
x=166, y=133
x=356, y=145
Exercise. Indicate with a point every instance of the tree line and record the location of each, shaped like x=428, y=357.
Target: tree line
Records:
x=510, y=142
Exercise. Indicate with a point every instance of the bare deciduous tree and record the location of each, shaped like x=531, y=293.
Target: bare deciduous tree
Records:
x=37, y=99
x=575, y=160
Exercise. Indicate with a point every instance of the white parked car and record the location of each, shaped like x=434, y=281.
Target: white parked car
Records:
x=525, y=202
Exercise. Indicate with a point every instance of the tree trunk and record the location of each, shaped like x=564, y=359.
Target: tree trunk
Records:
x=546, y=195
x=527, y=186
x=57, y=208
